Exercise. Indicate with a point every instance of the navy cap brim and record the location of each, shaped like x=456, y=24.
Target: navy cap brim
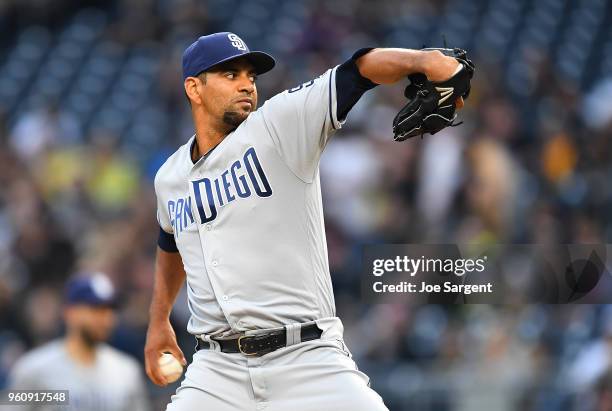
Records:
x=263, y=62
x=93, y=301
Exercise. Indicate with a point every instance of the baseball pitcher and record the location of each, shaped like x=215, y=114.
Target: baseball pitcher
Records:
x=241, y=220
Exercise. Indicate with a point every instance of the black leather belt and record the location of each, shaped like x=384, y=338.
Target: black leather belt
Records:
x=257, y=345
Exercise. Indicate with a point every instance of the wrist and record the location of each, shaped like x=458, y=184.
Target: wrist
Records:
x=426, y=61
x=159, y=318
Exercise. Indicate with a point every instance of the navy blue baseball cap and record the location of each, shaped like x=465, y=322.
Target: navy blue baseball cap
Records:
x=216, y=48
x=90, y=289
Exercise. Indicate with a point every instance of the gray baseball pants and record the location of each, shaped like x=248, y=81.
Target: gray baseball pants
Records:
x=317, y=375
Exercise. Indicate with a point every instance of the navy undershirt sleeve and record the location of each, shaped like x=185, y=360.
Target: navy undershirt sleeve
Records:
x=166, y=242
x=350, y=84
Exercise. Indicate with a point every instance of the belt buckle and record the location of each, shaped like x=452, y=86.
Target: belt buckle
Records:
x=240, y=347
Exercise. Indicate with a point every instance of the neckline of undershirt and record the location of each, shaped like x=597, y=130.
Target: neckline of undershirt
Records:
x=193, y=143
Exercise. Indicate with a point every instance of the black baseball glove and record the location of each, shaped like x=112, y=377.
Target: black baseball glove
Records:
x=431, y=106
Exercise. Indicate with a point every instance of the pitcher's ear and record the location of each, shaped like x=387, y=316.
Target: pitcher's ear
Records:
x=191, y=90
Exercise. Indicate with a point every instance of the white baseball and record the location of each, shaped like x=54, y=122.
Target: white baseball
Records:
x=170, y=367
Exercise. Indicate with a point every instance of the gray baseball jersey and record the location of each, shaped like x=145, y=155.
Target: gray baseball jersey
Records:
x=247, y=218
x=113, y=383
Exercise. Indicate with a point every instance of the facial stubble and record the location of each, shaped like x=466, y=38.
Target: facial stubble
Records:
x=89, y=338
x=234, y=118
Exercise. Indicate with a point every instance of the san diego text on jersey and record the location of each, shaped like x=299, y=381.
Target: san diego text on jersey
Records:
x=242, y=179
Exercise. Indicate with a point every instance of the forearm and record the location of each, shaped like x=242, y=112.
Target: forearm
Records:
x=169, y=278
x=390, y=65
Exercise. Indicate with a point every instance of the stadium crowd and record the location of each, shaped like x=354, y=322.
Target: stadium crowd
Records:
x=530, y=165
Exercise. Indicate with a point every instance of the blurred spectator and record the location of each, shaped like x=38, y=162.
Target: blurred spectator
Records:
x=41, y=129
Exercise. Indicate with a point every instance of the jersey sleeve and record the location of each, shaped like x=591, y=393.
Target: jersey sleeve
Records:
x=165, y=239
x=22, y=377
x=163, y=214
x=301, y=120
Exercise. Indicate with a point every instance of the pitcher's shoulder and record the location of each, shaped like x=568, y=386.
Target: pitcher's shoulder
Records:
x=50, y=354
x=119, y=360
x=175, y=166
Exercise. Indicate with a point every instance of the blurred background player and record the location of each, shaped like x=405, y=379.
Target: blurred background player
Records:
x=97, y=376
